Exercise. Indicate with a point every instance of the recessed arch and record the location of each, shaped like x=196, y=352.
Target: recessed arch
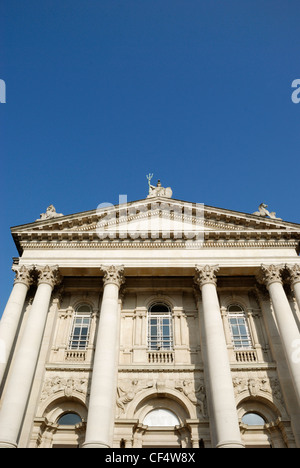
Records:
x=62, y=405
x=259, y=405
x=242, y=301
x=80, y=301
x=160, y=298
x=257, y=415
x=162, y=421
x=173, y=400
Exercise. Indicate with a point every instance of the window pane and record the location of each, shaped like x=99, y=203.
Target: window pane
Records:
x=159, y=327
x=159, y=308
x=235, y=308
x=238, y=326
x=81, y=328
x=69, y=419
x=83, y=308
x=253, y=419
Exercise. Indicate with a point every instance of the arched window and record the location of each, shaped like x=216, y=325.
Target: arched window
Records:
x=69, y=419
x=160, y=334
x=161, y=417
x=253, y=419
x=239, y=328
x=81, y=328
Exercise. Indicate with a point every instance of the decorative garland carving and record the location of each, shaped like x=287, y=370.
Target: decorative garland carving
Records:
x=258, y=386
x=193, y=390
x=68, y=385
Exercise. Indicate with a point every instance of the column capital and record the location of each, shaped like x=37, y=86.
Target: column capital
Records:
x=113, y=274
x=270, y=274
x=23, y=274
x=294, y=273
x=48, y=275
x=206, y=274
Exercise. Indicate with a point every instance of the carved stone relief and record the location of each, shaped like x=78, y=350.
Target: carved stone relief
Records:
x=194, y=390
x=69, y=385
x=255, y=386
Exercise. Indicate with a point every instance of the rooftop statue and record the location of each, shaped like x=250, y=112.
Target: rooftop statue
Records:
x=263, y=212
x=158, y=191
x=50, y=213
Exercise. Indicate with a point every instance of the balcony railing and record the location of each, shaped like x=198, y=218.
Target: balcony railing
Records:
x=75, y=355
x=245, y=355
x=160, y=357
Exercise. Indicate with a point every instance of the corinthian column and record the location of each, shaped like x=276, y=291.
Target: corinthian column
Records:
x=294, y=271
x=21, y=376
x=225, y=426
x=101, y=411
x=12, y=314
x=288, y=330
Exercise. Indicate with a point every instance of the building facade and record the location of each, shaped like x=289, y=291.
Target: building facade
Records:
x=154, y=323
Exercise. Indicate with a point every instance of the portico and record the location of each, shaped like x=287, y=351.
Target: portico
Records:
x=154, y=305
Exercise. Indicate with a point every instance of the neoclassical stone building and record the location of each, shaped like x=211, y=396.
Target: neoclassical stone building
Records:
x=154, y=323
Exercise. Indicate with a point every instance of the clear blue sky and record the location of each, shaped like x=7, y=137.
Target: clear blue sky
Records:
x=101, y=92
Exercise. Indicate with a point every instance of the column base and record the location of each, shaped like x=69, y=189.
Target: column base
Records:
x=95, y=444
x=7, y=444
x=230, y=444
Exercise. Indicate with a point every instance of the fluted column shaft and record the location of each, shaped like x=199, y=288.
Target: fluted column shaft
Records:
x=101, y=411
x=288, y=330
x=21, y=376
x=12, y=314
x=217, y=368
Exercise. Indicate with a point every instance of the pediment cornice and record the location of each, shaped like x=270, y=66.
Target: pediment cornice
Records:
x=219, y=226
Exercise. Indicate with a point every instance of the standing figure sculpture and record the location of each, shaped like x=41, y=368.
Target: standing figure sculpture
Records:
x=158, y=191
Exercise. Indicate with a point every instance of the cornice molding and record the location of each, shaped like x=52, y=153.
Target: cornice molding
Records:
x=214, y=227
x=158, y=245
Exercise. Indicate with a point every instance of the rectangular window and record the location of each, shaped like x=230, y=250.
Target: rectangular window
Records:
x=239, y=331
x=160, y=332
x=80, y=332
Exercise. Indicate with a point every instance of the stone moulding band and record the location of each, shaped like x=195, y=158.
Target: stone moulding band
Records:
x=157, y=244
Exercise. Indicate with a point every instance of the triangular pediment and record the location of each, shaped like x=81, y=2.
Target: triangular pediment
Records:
x=159, y=218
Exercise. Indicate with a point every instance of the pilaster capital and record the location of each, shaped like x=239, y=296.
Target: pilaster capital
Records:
x=48, y=275
x=206, y=274
x=23, y=274
x=113, y=274
x=294, y=273
x=270, y=274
